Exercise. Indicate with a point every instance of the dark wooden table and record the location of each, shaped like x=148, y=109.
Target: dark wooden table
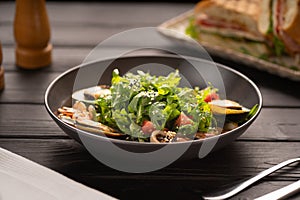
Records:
x=27, y=129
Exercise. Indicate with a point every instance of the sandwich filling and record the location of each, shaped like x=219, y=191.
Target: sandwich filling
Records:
x=225, y=27
x=229, y=18
x=205, y=21
x=258, y=28
x=279, y=20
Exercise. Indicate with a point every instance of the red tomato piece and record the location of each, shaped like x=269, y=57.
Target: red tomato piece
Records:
x=211, y=96
x=148, y=127
x=183, y=120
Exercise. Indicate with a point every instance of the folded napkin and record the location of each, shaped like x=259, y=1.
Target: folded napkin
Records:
x=23, y=179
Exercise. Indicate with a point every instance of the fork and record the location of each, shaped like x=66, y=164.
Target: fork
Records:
x=220, y=195
x=282, y=192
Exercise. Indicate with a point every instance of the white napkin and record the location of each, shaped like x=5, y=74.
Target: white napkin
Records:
x=23, y=179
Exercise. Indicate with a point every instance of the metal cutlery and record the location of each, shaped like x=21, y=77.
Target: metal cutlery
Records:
x=282, y=192
x=220, y=195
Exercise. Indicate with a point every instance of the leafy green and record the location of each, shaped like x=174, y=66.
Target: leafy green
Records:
x=137, y=98
x=205, y=117
x=279, y=47
x=270, y=28
x=295, y=68
x=251, y=113
x=159, y=115
x=191, y=29
x=188, y=130
x=264, y=57
x=245, y=51
x=126, y=123
x=104, y=112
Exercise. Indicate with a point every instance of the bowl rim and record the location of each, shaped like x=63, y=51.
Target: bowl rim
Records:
x=171, y=56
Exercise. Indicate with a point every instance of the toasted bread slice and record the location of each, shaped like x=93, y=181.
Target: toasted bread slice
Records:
x=257, y=49
x=264, y=19
x=292, y=19
x=239, y=18
x=286, y=23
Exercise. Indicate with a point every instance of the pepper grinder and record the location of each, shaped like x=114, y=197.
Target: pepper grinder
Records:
x=1, y=71
x=32, y=34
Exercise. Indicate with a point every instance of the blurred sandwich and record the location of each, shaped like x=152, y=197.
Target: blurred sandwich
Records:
x=257, y=27
x=286, y=23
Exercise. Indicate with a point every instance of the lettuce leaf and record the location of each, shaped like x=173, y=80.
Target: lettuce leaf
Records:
x=191, y=29
x=279, y=47
x=138, y=97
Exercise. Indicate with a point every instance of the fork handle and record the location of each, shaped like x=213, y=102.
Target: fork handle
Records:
x=282, y=192
x=252, y=180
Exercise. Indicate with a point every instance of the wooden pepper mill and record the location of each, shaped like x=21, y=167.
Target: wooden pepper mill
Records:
x=1, y=71
x=32, y=34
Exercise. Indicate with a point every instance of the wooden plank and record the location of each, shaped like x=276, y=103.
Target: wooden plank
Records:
x=70, y=35
x=27, y=121
x=114, y=14
x=256, y=156
x=263, y=188
x=239, y=160
x=89, y=24
x=17, y=120
x=275, y=124
x=282, y=93
x=269, y=85
x=187, y=190
x=86, y=36
x=63, y=58
x=26, y=86
x=37, y=82
x=274, y=136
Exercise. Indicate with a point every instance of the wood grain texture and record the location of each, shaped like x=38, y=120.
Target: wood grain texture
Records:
x=26, y=87
x=72, y=160
x=275, y=125
x=88, y=24
x=17, y=120
x=63, y=57
x=281, y=93
x=77, y=27
x=27, y=121
x=115, y=13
